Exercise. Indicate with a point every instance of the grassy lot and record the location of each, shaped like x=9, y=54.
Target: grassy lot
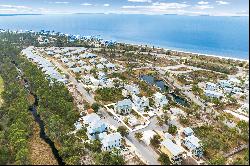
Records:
x=40, y=152
x=1, y=89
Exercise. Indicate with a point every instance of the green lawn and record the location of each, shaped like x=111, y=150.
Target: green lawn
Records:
x=1, y=90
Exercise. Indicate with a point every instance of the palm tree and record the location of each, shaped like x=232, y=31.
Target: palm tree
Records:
x=138, y=136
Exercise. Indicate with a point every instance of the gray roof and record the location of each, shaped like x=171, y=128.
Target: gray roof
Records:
x=172, y=147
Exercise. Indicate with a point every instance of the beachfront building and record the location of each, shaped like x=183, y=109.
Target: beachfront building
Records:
x=140, y=102
x=160, y=100
x=173, y=151
x=193, y=144
x=213, y=94
x=124, y=107
x=110, y=141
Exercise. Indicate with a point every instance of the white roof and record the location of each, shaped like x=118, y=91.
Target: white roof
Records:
x=188, y=130
x=91, y=118
x=172, y=147
x=110, y=138
x=213, y=92
x=211, y=84
x=193, y=140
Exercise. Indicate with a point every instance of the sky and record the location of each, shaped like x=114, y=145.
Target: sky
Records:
x=155, y=7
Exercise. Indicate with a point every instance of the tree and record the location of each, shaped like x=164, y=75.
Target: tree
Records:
x=155, y=141
x=172, y=129
x=94, y=146
x=218, y=160
x=109, y=158
x=138, y=136
x=164, y=159
x=122, y=130
x=95, y=107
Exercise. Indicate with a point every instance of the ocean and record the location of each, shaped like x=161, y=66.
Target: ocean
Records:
x=222, y=36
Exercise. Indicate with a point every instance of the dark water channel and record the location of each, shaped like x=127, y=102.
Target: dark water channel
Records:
x=162, y=85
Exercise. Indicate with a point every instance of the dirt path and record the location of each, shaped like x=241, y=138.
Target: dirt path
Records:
x=40, y=152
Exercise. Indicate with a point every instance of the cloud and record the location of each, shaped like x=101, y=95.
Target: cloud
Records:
x=149, y=1
x=106, y=5
x=86, y=4
x=222, y=2
x=14, y=6
x=203, y=7
x=203, y=3
x=61, y=2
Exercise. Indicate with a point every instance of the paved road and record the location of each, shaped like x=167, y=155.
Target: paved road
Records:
x=80, y=88
x=146, y=151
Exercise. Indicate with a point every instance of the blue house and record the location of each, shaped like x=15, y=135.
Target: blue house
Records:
x=124, y=107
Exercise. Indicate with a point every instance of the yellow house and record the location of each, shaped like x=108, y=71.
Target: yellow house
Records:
x=173, y=151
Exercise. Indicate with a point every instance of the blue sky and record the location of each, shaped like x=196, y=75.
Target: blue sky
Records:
x=182, y=7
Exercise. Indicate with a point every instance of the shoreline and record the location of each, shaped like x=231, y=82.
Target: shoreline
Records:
x=186, y=52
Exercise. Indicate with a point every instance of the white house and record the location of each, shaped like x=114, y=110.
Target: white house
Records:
x=160, y=100
x=225, y=83
x=90, y=118
x=110, y=141
x=188, y=131
x=100, y=66
x=234, y=81
x=213, y=94
x=110, y=66
x=95, y=128
x=124, y=107
x=194, y=145
x=140, y=102
x=211, y=86
x=132, y=89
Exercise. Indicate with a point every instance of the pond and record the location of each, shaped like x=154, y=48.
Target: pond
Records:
x=164, y=88
x=158, y=83
x=180, y=100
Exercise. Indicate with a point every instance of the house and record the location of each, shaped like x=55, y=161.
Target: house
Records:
x=132, y=121
x=168, y=136
x=225, y=83
x=95, y=128
x=211, y=86
x=234, y=81
x=140, y=102
x=173, y=151
x=92, y=61
x=160, y=100
x=236, y=90
x=102, y=76
x=100, y=66
x=188, y=131
x=213, y=94
x=91, y=118
x=110, y=66
x=65, y=60
x=193, y=144
x=147, y=136
x=103, y=60
x=110, y=141
x=89, y=55
x=124, y=107
x=132, y=89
